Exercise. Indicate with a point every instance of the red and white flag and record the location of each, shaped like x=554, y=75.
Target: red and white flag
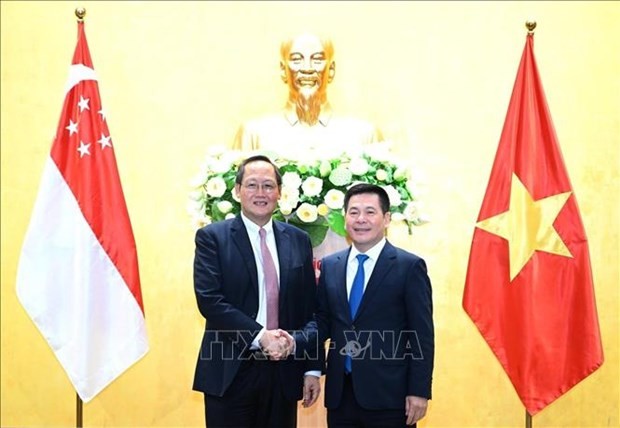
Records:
x=78, y=273
x=529, y=283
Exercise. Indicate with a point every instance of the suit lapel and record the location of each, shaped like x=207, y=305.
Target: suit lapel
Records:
x=385, y=262
x=283, y=244
x=242, y=241
x=340, y=279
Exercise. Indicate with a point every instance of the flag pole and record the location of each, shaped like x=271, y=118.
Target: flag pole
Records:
x=78, y=411
x=80, y=13
x=530, y=25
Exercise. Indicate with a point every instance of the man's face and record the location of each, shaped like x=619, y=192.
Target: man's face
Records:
x=258, y=192
x=307, y=67
x=364, y=221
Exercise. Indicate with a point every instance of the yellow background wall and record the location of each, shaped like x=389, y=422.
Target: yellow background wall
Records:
x=177, y=77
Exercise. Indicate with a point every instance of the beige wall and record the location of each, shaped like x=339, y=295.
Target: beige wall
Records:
x=176, y=78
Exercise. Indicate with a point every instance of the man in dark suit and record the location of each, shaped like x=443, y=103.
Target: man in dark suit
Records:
x=375, y=306
x=255, y=285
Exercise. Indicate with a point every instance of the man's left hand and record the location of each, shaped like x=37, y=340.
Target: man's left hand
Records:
x=415, y=408
x=312, y=389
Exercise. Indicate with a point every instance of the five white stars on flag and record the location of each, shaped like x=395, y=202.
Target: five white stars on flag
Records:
x=84, y=148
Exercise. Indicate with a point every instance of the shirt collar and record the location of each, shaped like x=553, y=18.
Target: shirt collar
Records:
x=290, y=113
x=372, y=254
x=253, y=228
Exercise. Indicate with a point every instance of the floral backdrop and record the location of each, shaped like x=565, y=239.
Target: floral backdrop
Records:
x=313, y=187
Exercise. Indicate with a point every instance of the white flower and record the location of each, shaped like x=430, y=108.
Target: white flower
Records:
x=224, y=207
x=234, y=195
x=381, y=175
x=411, y=212
x=220, y=166
x=216, y=187
x=199, y=179
x=229, y=216
x=341, y=176
x=322, y=210
x=196, y=195
x=397, y=217
x=395, y=199
x=334, y=199
x=312, y=186
x=291, y=179
x=400, y=173
x=285, y=207
x=289, y=196
x=194, y=206
x=325, y=168
x=359, y=166
x=307, y=212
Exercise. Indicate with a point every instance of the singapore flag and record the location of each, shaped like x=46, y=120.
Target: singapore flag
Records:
x=78, y=275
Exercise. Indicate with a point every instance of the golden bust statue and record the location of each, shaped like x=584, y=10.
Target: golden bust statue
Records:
x=307, y=121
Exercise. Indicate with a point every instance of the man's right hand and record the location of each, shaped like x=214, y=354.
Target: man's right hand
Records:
x=277, y=344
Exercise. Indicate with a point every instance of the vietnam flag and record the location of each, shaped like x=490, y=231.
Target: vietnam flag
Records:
x=78, y=271
x=529, y=283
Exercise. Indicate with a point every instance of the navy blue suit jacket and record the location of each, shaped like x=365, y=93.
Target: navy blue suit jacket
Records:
x=391, y=337
x=226, y=287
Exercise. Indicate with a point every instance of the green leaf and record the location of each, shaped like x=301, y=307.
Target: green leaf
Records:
x=335, y=219
x=316, y=230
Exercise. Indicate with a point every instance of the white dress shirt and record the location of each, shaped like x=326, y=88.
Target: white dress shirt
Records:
x=252, y=229
x=369, y=264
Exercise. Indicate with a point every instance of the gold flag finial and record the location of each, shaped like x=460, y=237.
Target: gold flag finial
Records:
x=530, y=25
x=80, y=12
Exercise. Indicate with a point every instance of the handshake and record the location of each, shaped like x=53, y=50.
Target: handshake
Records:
x=277, y=344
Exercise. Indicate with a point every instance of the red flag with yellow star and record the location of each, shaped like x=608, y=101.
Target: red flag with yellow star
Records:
x=529, y=283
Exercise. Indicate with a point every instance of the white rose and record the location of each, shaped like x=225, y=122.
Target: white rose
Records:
x=220, y=166
x=229, y=216
x=199, y=179
x=381, y=175
x=307, y=212
x=285, y=207
x=291, y=179
x=400, y=173
x=394, y=196
x=312, y=186
x=396, y=217
x=334, y=199
x=216, y=187
x=358, y=166
x=289, y=195
x=234, y=194
x=411, y=212
x=224, y=207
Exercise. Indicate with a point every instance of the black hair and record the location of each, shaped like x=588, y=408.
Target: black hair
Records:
x=358, y=189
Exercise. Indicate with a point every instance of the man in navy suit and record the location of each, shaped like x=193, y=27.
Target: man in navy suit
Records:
x=375, y=306
x=258, y=355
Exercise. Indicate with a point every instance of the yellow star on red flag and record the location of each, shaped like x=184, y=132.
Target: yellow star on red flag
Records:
x=528, y=225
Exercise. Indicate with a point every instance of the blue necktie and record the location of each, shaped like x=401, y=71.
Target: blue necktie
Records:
x=355, y=297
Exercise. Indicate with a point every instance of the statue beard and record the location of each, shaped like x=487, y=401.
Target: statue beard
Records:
x=308, y=108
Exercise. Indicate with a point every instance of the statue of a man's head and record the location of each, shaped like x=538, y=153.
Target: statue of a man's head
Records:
x=307, y=66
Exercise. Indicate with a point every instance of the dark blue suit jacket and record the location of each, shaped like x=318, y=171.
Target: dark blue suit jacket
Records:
x=391, y=337
x=226, y=287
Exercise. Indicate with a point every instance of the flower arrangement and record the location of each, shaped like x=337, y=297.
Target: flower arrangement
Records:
x=313, y=188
